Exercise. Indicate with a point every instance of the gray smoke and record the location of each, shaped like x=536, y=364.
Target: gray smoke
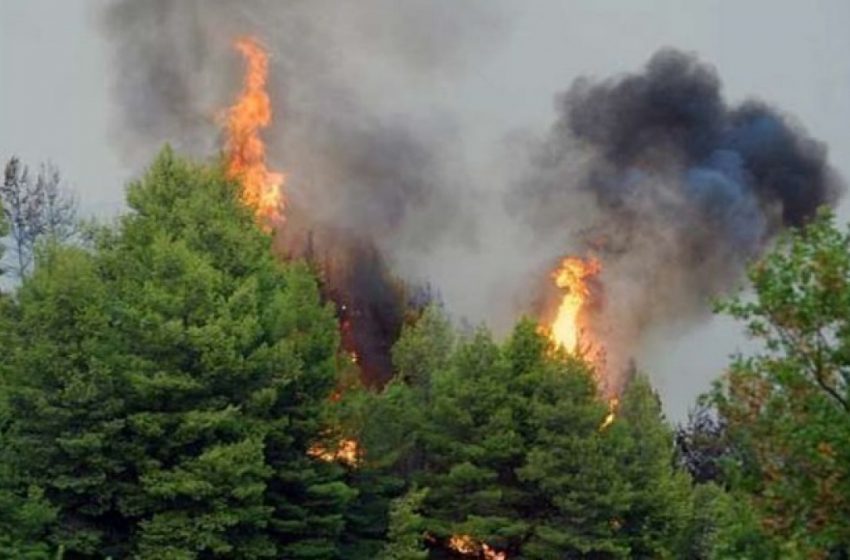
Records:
x=671, y=186
x=674, y=189
x=335, y=68
x=367, y=181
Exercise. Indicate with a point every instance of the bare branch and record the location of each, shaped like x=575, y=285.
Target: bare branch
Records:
x=35, y=210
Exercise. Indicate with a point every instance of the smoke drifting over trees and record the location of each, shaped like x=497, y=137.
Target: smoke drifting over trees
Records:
x=674, y=188
x=360, y=181
x=349, y=161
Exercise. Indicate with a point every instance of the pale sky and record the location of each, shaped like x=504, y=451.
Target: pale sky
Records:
x=55, y=99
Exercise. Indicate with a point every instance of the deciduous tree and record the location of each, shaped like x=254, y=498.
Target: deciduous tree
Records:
x=35, y=209
x=788, y=407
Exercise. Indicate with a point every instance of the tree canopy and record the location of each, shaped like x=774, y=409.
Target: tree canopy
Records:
x=170, y=388
x=787, y=408
x=163, y=385
x=507, y=441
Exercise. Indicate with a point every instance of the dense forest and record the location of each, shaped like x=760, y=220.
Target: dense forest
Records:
x=170, y=389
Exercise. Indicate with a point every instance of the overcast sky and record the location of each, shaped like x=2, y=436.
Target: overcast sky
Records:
x=55, y=100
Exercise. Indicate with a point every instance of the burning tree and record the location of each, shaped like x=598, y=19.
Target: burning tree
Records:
x=369, y=300
x=506, y=439
x=570, y=327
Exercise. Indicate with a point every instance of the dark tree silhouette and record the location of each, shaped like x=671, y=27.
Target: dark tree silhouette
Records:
x=35, y=208
x=702, y=445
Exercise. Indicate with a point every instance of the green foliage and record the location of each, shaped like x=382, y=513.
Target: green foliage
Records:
x=507, y=439
x=659, y=500
x=165, y=385
x=423, y=348
x=723, y=526
x=787, y=407
x=471, y=447
x=24, y=519
x=406, y=530
x=171, y=390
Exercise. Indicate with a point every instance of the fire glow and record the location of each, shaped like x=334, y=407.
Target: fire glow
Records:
x=262, y=191
x=346, y=451
x=570, y=329
x=245, y=149
x=570, y=324
x=465, y=545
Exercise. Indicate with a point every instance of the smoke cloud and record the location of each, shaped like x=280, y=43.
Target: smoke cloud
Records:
x=674, y=188
x=366, y=180
x=671, y=186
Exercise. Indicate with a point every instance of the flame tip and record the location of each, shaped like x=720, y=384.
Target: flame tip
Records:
x=246, y=151
x=569, y=326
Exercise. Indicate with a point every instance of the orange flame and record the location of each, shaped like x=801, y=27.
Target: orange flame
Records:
x=246, y=152
x=570, y=322
x=612, y=413
x=347, y=451
x=467, y=546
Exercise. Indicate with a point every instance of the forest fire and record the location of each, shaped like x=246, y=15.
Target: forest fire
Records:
x=261, y=187
x=262, y=191
x=343, y=314
x=245, y=150
x=353, y=274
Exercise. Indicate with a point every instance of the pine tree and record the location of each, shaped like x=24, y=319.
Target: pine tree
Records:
x=659, y=496
x=472, y=448
x=509, y=444
x=406, y=530
x=167, y=383
x=64, y=401
x=423, y=348
x=25, y=516
x=387, y=426
x=578, y=490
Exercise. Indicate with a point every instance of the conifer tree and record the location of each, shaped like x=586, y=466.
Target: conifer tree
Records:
x=659, y=495
x=472, y=447
x=514, y=458
x=578, y=492
x=406, y=528
x=166, y=384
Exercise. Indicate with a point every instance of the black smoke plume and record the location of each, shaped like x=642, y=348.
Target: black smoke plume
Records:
x=674, y=188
